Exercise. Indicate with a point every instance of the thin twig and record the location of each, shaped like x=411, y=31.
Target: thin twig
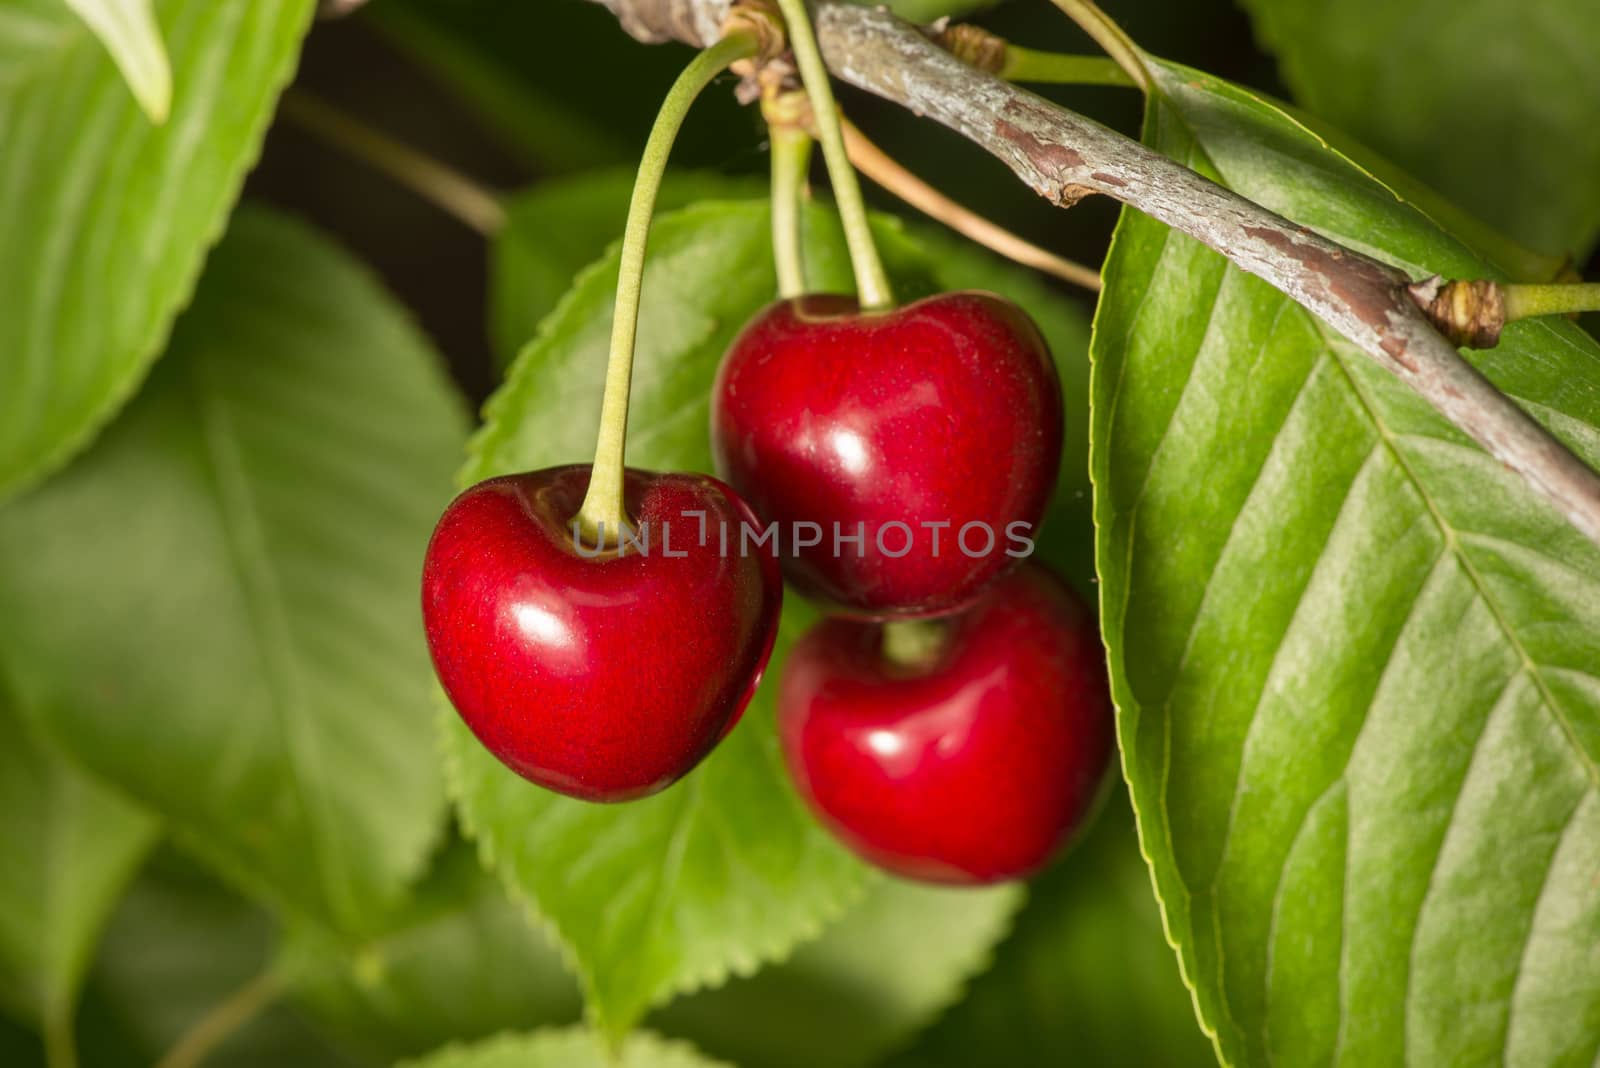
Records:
x=445, y=188
x=224, y=1019
x=876, y=164
x=1064, y=157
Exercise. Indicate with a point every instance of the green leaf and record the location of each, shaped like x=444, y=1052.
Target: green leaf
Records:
x=461, y=962
x=883, y=972
x=725, y=871
x=215, y=609
x=557, y=228
x=128, y=30
x=1085, y=978
x=107, y=218
x=1491, y=103
x=70, y=849
x=177, y=947
x=1354, y=658
x=568, y=1048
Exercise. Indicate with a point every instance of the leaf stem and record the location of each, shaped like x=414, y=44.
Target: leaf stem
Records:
x=791, y=162
x=1528, y=301
x=1109, y=36
x=887, y=172
x=1060, y=68
x=447, y=189
x=224, y=1019
x=603, y=509
x=872, y=284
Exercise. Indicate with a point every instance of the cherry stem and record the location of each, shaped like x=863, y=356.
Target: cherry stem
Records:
x=225, y=1019
x=791, y=162
x=872, y=284
x=447, y=189
x=1058, y=68
x=1109, y=36
x=1528, y=301
x=886, y=171
x=603, y=513
x=912, y=642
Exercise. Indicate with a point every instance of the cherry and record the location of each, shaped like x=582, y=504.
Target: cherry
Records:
x=603, y=674
x=933, y=430
x=967, y=762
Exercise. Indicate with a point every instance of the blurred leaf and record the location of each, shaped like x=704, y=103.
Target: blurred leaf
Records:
x=70, y=849
x=216, y=607
x=558, y=228
x=561, y=83
x=543, y=126
x=725, y=871
x=1086, y=978
x=177, y=947
x=884, y=971
x=107, y=218
x=1354, y=657
x=1492, y=103
x=568, y=1048
x=460, y=963
x=129, y=32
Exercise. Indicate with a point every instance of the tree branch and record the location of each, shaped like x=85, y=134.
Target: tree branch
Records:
x=1065, y=157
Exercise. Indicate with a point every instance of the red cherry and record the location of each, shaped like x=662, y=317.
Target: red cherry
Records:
x=971, y=766
x=943, y=412
x=605, y=675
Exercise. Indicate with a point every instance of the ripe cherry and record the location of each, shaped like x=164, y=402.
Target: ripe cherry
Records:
x=603, y=674
x=932, y=430
x=967, y=762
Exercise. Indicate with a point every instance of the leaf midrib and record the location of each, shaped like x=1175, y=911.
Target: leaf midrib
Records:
x=1339, y=347
x=266, y=608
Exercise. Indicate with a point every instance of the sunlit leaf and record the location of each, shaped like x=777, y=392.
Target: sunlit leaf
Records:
x=107, y=217
x=129, y=32
x=1354, y=657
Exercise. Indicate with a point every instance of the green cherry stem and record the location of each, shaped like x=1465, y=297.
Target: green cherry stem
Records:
x=1528, y=301
x=1058, y=68
x=1109, y=36
x=912, y=642
x=791, y=161
x=872, y=284
x=603, y=513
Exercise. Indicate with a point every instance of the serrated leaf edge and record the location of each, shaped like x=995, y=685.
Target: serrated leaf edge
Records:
x=123, y=389
x=740, y=965
x=1122, y=696
x=649, y=1041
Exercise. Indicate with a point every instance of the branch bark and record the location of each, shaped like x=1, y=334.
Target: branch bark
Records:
x=1065, y=157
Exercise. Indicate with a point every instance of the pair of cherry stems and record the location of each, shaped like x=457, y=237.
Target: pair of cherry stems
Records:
x=603, y=506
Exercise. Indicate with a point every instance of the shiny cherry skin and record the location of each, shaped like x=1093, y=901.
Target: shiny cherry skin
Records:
x=605, y=675
x=933, y=429
x=971, y=766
